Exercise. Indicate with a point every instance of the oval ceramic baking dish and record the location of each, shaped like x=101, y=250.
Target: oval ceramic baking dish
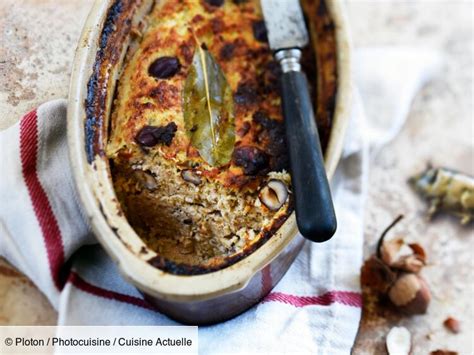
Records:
x=222, y=294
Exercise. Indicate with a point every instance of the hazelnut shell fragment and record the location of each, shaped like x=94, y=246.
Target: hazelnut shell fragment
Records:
x=397, y=254
x=410, y=294
x=398, y=341
x=452, y=324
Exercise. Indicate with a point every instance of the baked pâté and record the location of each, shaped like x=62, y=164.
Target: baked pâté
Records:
x=197, y=214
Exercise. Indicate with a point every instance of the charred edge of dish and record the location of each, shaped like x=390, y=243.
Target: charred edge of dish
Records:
x=183, y=269
x=114, y=229
x=109, y=48
x=117, y=204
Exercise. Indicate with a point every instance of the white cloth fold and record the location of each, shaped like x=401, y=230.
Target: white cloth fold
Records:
x=315, y=308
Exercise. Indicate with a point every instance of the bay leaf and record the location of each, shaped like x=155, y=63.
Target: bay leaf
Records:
x=208, y=109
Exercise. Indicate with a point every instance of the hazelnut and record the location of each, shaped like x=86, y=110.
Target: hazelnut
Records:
x=274, y=194
x=410, y=294
x=146, y=179
x=443, y=352
x=191, y=176
x=398, y=341
x=452, y=324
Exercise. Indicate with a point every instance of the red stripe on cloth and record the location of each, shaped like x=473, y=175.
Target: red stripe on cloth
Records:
x=353, y=299
x=42, y=208
x=85, y=286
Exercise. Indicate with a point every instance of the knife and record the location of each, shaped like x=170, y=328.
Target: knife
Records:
x=287, y=35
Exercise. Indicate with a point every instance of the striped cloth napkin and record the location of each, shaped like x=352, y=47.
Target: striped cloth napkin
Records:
x=314, y=309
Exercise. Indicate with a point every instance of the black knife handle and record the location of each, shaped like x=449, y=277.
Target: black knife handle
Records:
x=315, y=214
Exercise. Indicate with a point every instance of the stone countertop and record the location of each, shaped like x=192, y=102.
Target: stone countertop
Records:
x=37, y=44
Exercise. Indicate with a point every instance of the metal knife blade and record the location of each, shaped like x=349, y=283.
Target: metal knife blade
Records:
x=285, y=24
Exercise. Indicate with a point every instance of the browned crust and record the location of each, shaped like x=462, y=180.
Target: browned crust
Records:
x=256, y=88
